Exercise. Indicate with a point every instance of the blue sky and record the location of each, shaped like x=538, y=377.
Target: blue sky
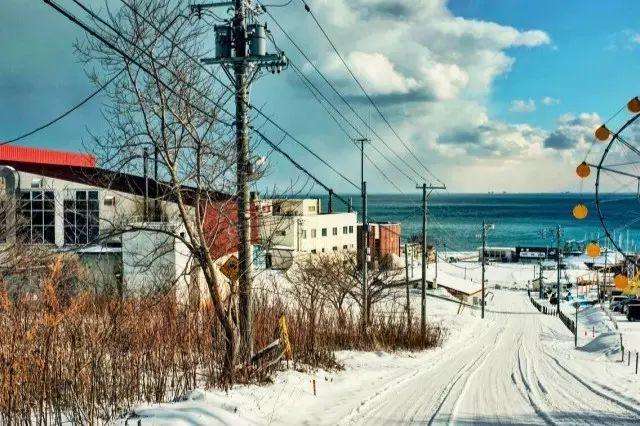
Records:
x=469, y=84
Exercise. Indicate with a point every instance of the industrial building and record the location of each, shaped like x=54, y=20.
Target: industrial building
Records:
x=62, y=200
x=384, y=240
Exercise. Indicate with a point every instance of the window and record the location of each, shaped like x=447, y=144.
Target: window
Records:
x=304, y=234
x=324, y=232
x=323, y=250
x=312, y=209
x=81, y=217
x=37, y=210
x=313, y=233
x=344, y=247
x=313, y=251
x=335, y=231
x=351, y=229
x=345, y=229
x=335, y=248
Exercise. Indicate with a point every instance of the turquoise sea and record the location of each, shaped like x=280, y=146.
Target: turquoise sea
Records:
x=518, y=219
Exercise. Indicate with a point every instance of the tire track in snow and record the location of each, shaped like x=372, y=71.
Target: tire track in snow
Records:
x=595, y=391
x=405, y=379
x=528, y=390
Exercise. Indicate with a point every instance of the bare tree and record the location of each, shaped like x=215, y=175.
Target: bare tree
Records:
x=163, y=101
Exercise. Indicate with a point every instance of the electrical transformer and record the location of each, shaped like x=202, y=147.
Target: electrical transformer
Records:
x=223, y=41
x=257, y=39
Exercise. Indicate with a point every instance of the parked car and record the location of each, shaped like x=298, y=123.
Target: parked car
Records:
x=633, y=312
x=625, y=304
x=614, y=300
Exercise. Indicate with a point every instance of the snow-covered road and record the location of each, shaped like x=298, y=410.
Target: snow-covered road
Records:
x=517, y=367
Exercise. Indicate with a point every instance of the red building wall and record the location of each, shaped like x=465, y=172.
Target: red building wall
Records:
x=389, y=239
x=220, y=224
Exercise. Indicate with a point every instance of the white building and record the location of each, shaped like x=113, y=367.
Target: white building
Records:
x=299, y=226
x=61, y=200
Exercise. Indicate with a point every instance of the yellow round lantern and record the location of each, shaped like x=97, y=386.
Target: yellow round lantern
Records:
x=583, y=170
x=634, y=105
x=593, y=250
x=621, y=281
x=602, y=133
x=580, y=211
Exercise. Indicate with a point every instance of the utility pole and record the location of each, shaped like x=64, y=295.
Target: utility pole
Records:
x=365, y=239
x=423, y=283
x=242, y=46
x=406, y=279
x=245, y=254
x=558, y=266
x=484, y=246
x=145, y=168
x=604, y=278
x=540, y=272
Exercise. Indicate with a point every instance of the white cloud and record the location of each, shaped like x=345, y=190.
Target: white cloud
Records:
x=549, y=101
x=574, y=132
x=432, y=74
x=520, y=105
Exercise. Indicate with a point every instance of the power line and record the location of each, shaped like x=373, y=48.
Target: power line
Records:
x=335, y=49
x=258, y=110
x=92, y=32
x=65, y=113
x=316, y=92
x=346, y=102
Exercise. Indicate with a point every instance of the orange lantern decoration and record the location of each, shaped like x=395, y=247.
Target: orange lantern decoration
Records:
x=634, y=105
x=583, y=170
x=602, y=133
x=580, y=211
x=621, y=281
x=593, y=250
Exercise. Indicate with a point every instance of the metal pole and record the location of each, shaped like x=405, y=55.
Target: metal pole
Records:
x=145, y=171
x=558, y=266
x=423, y=289
x=406, y=279
x=245, y=261
x=604, y=278
x=540, y=272
x=484, y=244
x=365, y=240
x=575, y=335
x=435, y=280
x=330, y=201
x=365, y=247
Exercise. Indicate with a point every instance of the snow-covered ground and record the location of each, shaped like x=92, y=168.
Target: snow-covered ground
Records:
x=516, y=366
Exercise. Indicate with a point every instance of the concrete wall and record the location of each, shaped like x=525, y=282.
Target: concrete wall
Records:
x=305, y=233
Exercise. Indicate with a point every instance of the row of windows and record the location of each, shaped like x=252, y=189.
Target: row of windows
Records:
x=81, y=217
x=335, y=248
x=323, y=231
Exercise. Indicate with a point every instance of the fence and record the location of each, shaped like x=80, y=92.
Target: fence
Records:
x=568, y=322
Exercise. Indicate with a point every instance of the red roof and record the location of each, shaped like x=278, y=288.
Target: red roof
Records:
x=24, y=154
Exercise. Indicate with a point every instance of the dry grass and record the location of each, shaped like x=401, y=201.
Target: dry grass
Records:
x=88, y=359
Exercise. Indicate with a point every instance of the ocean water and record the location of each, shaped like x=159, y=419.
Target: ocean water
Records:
x=455, y=220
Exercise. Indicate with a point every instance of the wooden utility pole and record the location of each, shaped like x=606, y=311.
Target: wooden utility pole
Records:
x=245, y=255
x=484, y=246
x=540, y=272
x=423, y=283
x=406, y=279
x=365, y=239
x=558, y=267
